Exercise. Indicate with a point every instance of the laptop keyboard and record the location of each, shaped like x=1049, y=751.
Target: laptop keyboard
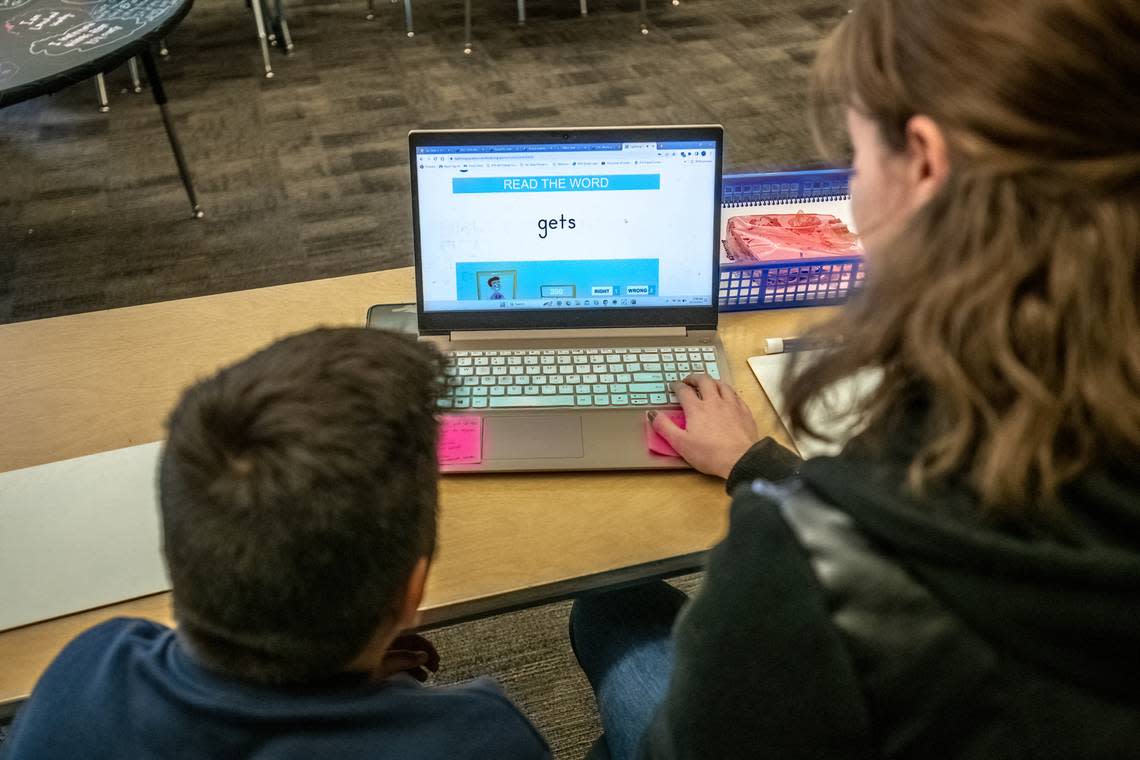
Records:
x=579, y=377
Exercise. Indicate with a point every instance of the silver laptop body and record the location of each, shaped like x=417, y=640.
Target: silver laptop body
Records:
x=570, y=275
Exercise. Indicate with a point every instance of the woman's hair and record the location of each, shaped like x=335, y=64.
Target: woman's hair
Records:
x=1006, y=309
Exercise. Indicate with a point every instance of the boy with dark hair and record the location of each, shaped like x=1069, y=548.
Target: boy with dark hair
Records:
x=298, y=500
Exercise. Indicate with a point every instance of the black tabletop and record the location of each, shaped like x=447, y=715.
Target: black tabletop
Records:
x=46, y=45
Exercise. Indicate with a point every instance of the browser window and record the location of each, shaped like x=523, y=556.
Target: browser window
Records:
x=566, y=226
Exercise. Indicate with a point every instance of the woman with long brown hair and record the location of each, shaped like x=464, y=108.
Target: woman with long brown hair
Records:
x=963, y=579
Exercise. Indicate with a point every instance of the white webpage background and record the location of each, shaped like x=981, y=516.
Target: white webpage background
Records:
x=672, y=224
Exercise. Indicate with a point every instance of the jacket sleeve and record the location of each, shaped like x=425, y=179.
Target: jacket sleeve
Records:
x=766, y=459
x=759, y=669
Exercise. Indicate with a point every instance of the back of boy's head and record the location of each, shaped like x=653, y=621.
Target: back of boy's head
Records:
x=298, y=490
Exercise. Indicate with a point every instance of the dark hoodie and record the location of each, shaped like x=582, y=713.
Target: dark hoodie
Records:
x=842, y=619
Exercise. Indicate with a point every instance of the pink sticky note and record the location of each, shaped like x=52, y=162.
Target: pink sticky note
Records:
x=656, y=443
x=460, y=439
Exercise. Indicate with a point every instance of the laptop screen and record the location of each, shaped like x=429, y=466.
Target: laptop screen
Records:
x=579, y=225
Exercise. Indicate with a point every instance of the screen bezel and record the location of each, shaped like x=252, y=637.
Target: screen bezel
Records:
x=694, y=318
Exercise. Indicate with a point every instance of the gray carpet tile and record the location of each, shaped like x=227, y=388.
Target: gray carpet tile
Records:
x=529, y=653
x=305, y=175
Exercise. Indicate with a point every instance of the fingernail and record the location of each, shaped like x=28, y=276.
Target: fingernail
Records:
x=652, y=415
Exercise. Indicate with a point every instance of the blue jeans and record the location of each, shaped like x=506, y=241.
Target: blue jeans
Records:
x=623, y=641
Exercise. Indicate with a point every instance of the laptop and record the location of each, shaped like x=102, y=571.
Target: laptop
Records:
x=569, y=275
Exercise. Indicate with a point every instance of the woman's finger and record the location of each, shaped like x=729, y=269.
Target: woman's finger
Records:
x=726, y=390
x=686, y=394
x=704, y=384
x=667, y=429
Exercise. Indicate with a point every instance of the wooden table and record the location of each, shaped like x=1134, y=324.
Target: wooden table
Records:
x=83, y=384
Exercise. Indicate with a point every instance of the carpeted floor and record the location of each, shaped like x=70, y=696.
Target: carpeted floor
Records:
x=529, y=653
x=305, y=175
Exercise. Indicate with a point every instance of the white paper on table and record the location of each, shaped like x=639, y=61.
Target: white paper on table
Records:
x=770, y=370
x=78, y=534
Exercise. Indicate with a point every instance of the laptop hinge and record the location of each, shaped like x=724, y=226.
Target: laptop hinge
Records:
x=570, y=333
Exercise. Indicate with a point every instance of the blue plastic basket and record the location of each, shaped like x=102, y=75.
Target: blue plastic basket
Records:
x=779, y=285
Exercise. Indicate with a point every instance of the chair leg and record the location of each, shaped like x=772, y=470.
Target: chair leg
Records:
x=644, y=18
x=466, y=27
x=371, y=11
x=408, y=18
x=522, y=12
x=162, y=48
x=283, y=27
x=582, y=7
x=262, y=38
x=286, y=37
x=268, y=20
x=101, y=93
x=133, y=66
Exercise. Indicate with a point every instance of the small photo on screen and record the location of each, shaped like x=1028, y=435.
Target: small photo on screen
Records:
x=496, y=285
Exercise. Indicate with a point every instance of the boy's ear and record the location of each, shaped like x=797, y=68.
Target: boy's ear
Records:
x=409, y=609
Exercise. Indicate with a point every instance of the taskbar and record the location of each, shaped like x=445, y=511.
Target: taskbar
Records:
x=643, y=302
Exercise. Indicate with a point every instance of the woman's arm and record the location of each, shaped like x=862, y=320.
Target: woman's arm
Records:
x=766, y=459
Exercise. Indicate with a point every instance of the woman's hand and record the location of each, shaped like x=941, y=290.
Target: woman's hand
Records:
x=718, y=426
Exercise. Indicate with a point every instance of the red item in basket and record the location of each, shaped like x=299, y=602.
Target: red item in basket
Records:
x=780, y=237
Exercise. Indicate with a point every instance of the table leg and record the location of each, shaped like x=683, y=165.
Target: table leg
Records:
x=522, y=12
x=160, y=99
x=467, y=27
x=371, y=11
x=262, y=38
x=133, y=65
x=408, y=18
x=582, y=7
x=101, y=93
x=644, y=18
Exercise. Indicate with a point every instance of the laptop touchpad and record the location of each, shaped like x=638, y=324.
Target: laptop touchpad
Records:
x=539, y=436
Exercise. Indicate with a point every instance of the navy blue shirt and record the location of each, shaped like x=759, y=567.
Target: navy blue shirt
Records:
x=129, y=688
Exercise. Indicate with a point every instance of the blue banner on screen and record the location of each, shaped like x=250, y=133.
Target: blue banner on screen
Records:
x=556, y=184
